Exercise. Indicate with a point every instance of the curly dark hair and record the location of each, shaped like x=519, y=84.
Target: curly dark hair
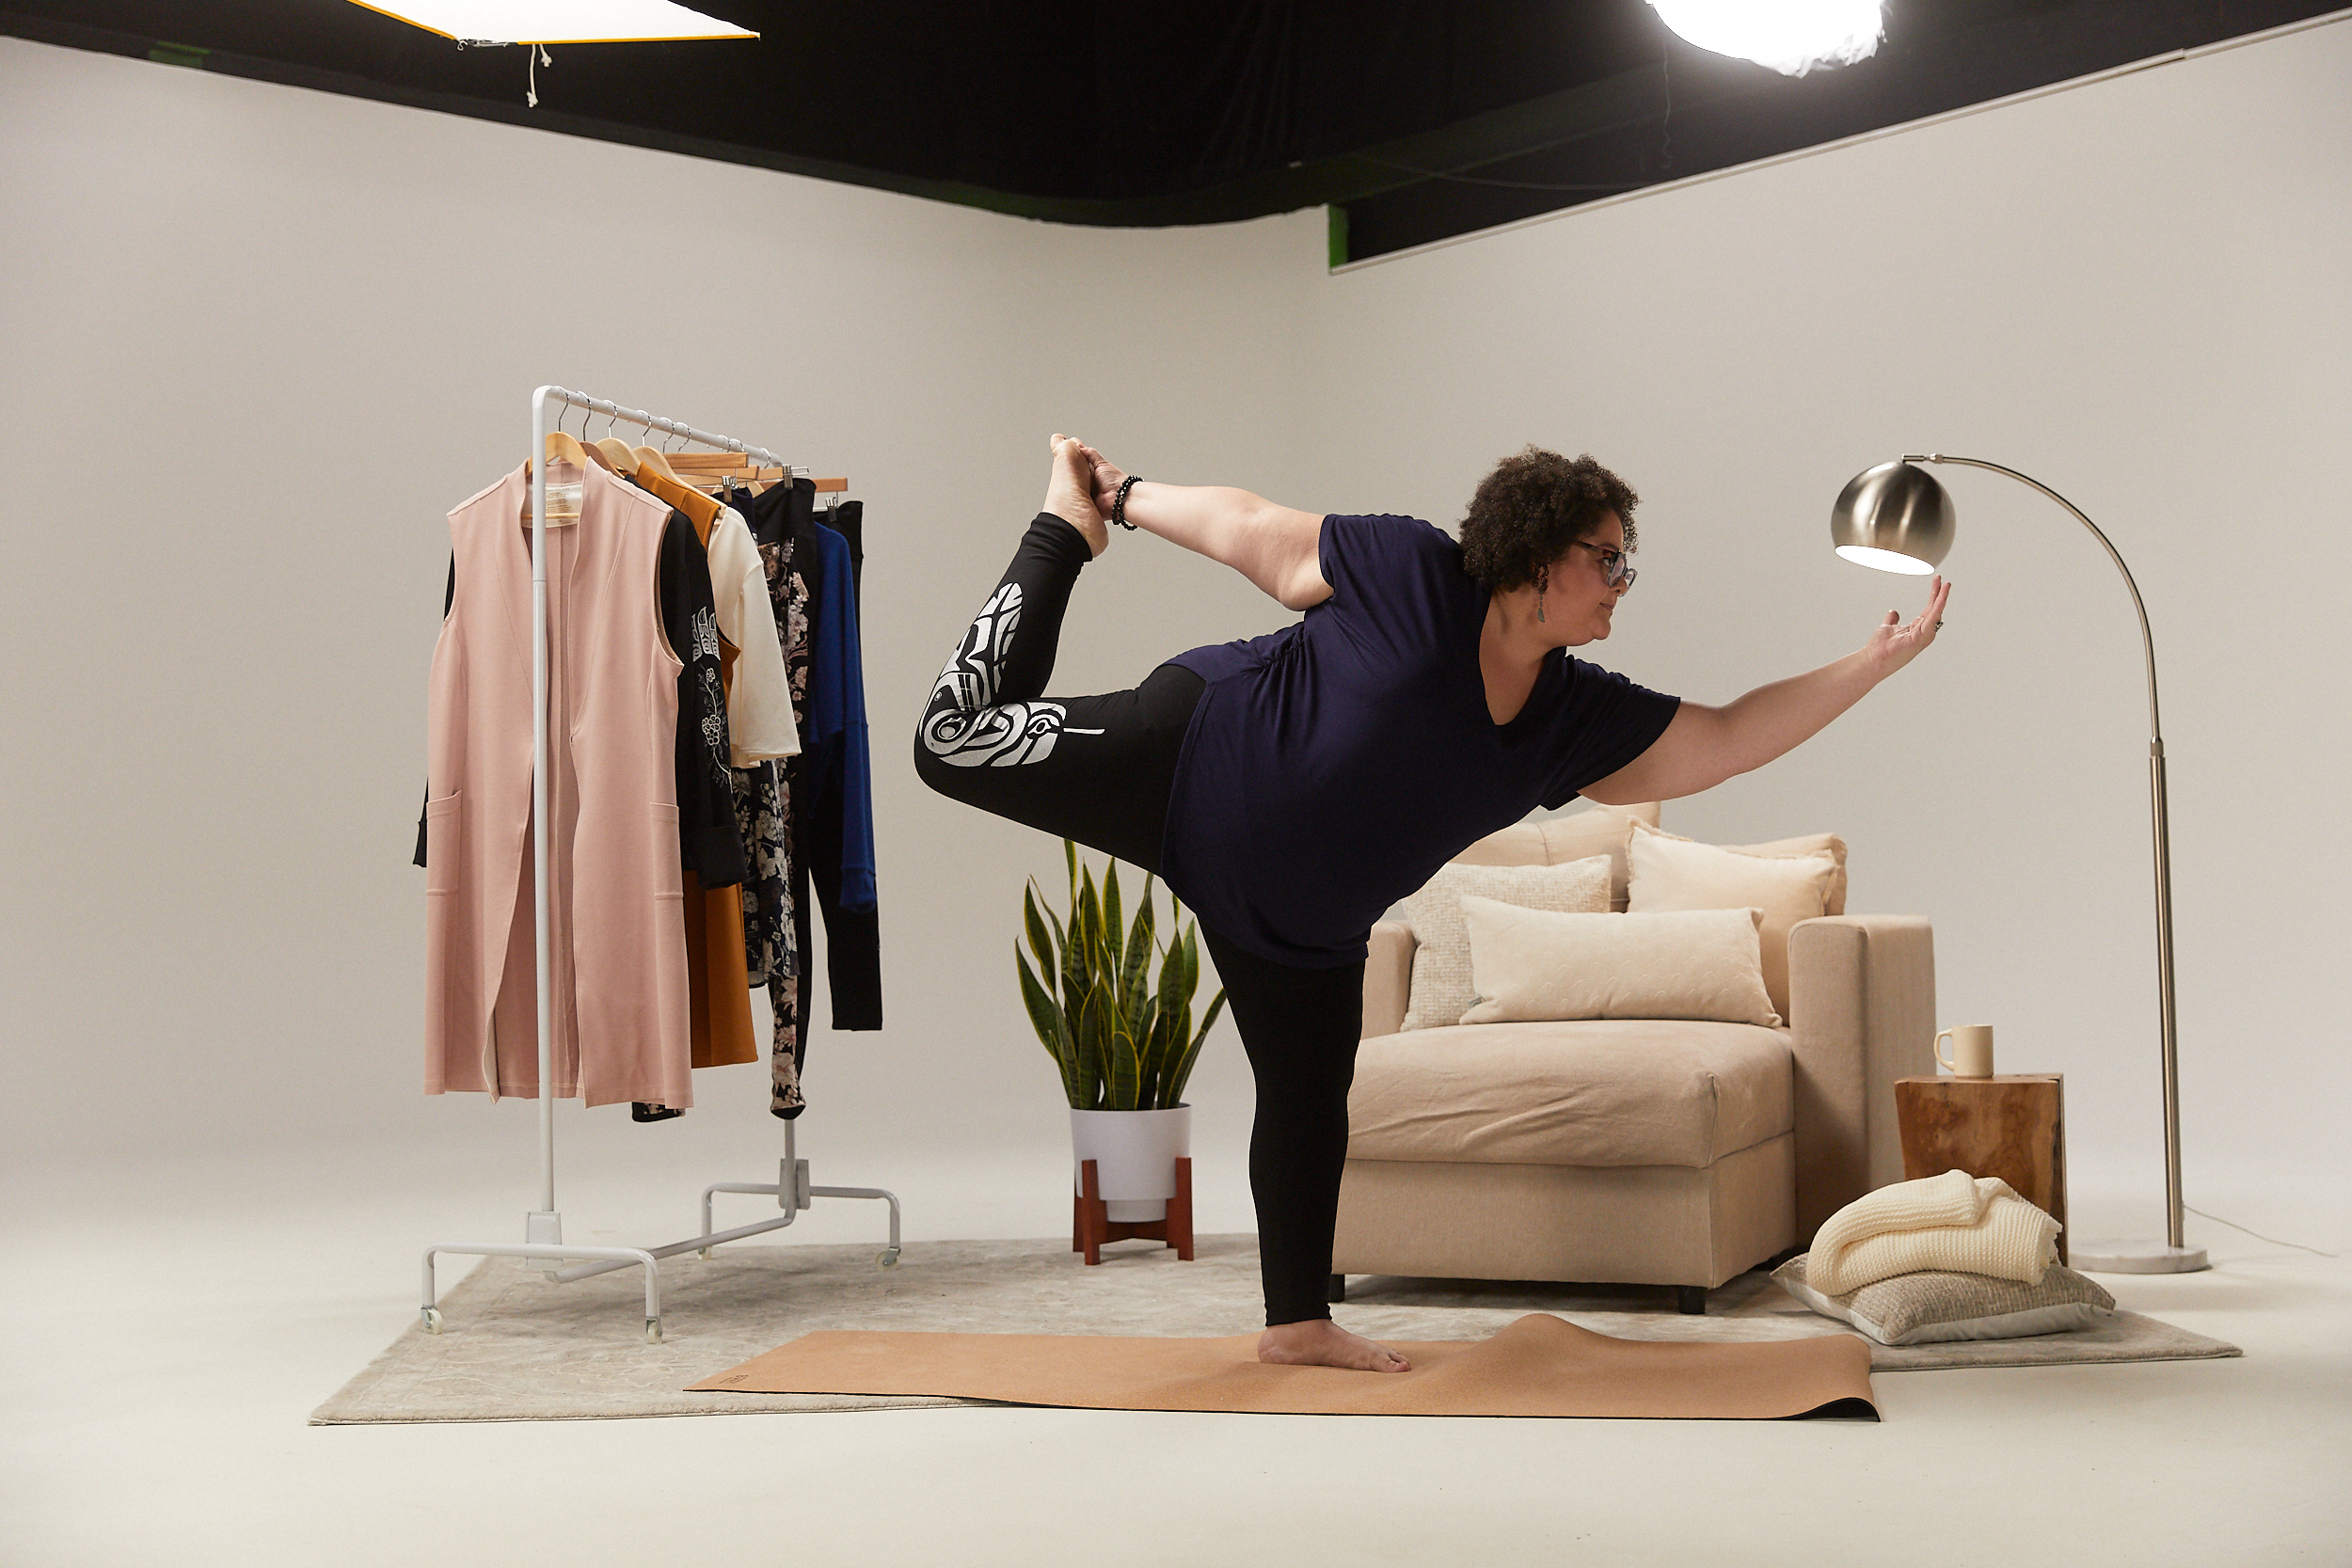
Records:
x=1530, y=508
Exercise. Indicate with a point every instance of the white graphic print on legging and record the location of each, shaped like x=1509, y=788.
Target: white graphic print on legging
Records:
x=967, y=727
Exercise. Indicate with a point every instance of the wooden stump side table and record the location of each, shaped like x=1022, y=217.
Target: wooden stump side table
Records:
x=2011, y=1124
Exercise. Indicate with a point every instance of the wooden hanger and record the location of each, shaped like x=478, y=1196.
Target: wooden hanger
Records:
x=652, y=457
x=562, y=447
x=715, y=470
x=698, y=464
x=593, y=452
x=564, y=500
x=620, y=456
x=707, y=468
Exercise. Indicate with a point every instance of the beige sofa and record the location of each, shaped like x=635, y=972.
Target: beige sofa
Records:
x=1641, y=1151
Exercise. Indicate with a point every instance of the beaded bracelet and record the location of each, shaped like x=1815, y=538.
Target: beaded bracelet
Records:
x=1119, y=503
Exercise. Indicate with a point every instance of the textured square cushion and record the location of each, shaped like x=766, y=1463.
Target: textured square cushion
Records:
x=1441, y=966
x=1531, y=965
x=1600, y=1092
x=1677, y=873
x=1932, y=1306
x=1570, y=836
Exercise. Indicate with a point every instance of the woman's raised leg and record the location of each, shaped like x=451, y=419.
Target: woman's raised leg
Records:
x=1093, y=769
x=1098, y=769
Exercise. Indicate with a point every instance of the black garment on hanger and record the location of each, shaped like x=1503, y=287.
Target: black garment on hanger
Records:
x=826, y=801
x=707, y=843
x=799, y=818
x=848, y=519
x=775, y=928
x=712, y=848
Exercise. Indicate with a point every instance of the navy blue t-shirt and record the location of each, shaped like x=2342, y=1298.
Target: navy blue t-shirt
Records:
x=1332, y=767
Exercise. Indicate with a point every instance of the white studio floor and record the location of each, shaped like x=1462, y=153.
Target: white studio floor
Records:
x=165, y=1351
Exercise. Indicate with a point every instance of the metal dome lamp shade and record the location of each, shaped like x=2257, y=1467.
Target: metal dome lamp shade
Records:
x=1896, y=517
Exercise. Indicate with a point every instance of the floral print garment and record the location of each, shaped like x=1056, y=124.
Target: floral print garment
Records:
x=763, y=807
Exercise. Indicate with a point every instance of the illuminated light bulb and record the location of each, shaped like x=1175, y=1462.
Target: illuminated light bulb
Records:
x=1791, y=36
x=558, y=21
x=1863, y=555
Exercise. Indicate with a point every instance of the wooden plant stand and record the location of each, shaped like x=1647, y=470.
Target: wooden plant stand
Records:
x=1091, y=1225
x=2013, y=1126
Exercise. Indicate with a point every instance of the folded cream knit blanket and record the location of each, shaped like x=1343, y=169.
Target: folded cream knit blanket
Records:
x=1974, y=1224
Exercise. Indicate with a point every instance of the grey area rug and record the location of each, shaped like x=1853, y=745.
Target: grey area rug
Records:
x=515, y=1347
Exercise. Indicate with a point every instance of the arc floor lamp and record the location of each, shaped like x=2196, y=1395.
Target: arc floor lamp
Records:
x=1898, y=518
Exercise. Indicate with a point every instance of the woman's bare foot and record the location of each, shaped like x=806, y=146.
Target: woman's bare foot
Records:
x=1069, y=493
x=1321, y=1343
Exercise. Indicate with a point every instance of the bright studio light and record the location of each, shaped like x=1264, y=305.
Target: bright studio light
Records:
x=558, y=21
x=1885, y=560
x=1790, y=35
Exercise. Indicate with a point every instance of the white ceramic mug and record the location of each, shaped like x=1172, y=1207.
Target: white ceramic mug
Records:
x=1972, y=1050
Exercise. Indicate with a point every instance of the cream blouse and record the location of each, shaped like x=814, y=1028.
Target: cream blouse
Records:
x=759, y=708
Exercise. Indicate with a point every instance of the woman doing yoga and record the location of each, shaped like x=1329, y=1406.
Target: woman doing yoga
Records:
x=1292, y=787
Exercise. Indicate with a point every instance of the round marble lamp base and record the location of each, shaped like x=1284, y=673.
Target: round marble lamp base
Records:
x=2135, y=1257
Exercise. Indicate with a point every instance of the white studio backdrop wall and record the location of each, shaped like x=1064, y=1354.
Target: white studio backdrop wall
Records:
x=261, y=339
x=2134, y=290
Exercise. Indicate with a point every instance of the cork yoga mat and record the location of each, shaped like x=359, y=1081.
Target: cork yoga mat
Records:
x=1537, y=1366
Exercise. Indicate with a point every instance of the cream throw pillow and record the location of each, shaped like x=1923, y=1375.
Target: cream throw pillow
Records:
x=1535, y=964
x=1570, y=836
x=1441, y=962
x=1786, y=849
x=1676, y=874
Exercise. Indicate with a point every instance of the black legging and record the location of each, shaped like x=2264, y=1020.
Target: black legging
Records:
x=1098, y=769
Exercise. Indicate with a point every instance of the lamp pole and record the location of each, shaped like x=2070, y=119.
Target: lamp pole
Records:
x=2175, y=1256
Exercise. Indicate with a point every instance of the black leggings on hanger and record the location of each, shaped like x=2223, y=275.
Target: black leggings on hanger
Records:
x=1098, y=769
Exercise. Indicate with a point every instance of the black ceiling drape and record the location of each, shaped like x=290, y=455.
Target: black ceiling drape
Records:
x=1416, y=119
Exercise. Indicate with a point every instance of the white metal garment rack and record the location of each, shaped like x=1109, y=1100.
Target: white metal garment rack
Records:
x=543, y=1228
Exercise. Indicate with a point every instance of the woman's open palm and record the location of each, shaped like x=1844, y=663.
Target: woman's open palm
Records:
x=1896, y=643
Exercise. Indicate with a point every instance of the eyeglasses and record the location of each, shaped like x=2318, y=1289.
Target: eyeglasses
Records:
x=1615, y=569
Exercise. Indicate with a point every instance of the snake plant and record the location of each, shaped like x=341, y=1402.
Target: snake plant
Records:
x=1121, y=1043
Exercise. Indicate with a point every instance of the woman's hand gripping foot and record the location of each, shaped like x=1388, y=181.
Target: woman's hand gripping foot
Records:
x=1069, y=493
x=1109, y=476
x=1321, y=1343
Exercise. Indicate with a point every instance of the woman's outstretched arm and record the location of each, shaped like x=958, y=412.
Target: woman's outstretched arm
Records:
x=1277, y=548
x=1704, y=745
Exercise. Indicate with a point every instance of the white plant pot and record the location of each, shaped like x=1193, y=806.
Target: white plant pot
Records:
x=1135, y=1155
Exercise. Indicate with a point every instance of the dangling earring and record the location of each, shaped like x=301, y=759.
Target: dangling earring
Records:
x=1543, y=583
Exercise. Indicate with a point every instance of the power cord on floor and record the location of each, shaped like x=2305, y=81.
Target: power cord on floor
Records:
x=2257, y=1235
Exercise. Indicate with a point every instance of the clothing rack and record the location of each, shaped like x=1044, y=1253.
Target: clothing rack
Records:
x=543, y=1228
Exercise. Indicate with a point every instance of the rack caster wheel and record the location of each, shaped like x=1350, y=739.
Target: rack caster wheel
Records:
x=653, y=1330
x=703, y=1253
x=886, y=1258
x=431, y=1317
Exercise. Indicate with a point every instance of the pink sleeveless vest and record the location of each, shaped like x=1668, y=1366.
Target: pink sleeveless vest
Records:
x=616, y=917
